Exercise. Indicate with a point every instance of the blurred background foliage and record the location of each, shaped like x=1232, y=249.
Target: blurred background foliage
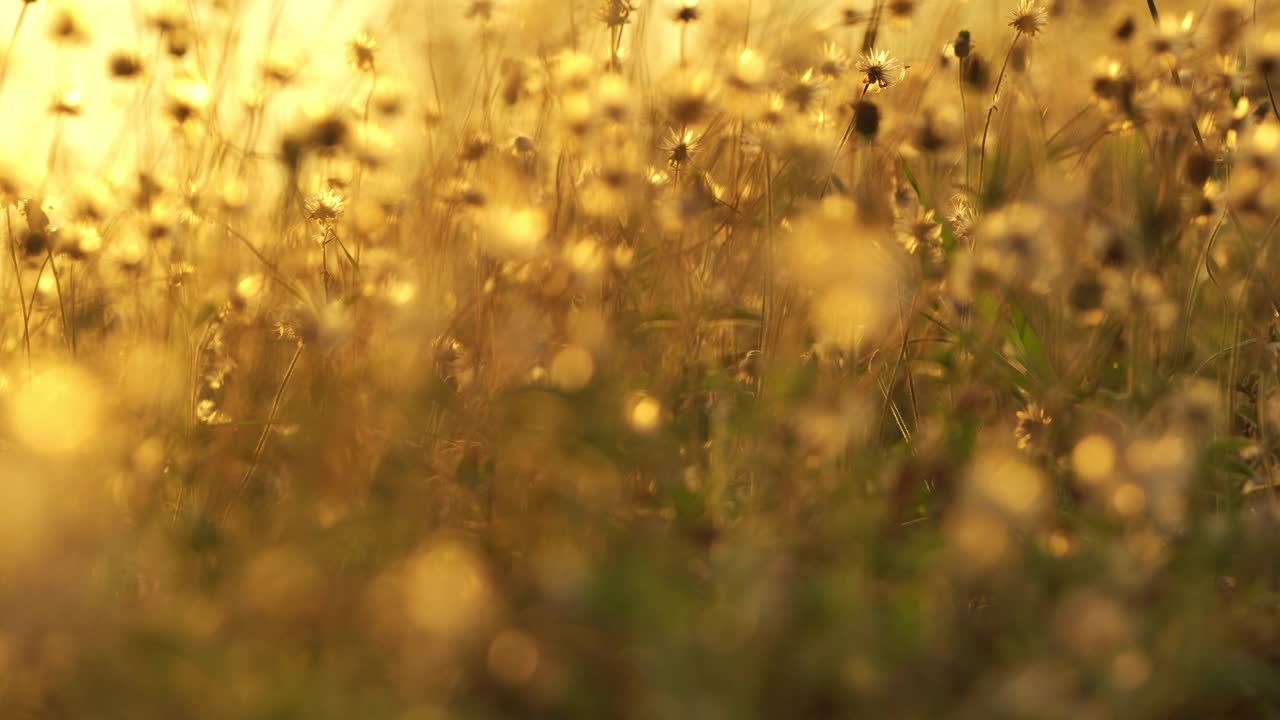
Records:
x=575, y=358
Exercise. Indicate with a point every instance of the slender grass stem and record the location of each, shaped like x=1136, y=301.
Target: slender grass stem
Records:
x=964, y=120
x=62, y=307
x=995, y=99
x=8, y=52
x=22, y=295
x=1067, y=124
x=770, y=299
x=1177, y=80
x=1266, y=80
x=873, y=27
x=266, y=432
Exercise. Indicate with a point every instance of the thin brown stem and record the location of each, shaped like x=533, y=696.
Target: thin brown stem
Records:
x=22, y=295
x=964, y=118
x=13, y=40
x=1266, y=80
x=873, y=27
x=266, y=432
x=62, y=307
x=995, y=99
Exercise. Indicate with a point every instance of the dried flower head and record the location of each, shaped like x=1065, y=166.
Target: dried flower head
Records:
x=280, y=66
x=747, y=70
x=1124, y=30
x=834, y=63
x=920, y=233
x=1029, y=18
x=1266, y=56
x=616, y=13
x=124, y=64
x=362, y=50
x=804, y=90
x=1013, y=245
x=901, y=11
x=680, y=147
x=187, y=99
x=167, y=16
x=962, y=216
x=1032, y=429
x=480, y=11
x=67, y=27
x=12, y=185
x=686, y=12
x=1173, y=37
x=866, y=118
x=689, y=96
x=68, y=102
x=326, y=207
x=1227, y=21
x=880, y=70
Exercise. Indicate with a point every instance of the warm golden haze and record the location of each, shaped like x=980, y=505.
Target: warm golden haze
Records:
x=425, y=359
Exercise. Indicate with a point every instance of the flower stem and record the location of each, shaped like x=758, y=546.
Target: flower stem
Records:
x=266, y=432
x=995, y=98
x=964, y=119
x=22, y=295
x=13, y=40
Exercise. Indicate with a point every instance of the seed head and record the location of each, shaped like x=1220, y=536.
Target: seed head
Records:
x=167, y=16
x=686, y=13
x=1013, y=245
x=280, y=66
x=690, y=96
x=67, y=102
x=1226, y=21
x=616, y=13
x=1173, y=37
x=1266, y=57
x=1029, y=18
x=1032, y=429
x=11, y=185
x=880, y=70
x=389, y=97
x=963, y=217
x=362, y=50
x=977, y=73
x=124, y=64
x=680, y=147
x=748, y=70
x=325, y=129
x=1123, y=31
x=901, y=10
x=480, y=10
x=179, y=42
x=851, y=15
x=920, y=233
x=804, y=90
x=834, y=61
x=68, y=27
x=326, y=207
x=866, y=118
x=187, y=99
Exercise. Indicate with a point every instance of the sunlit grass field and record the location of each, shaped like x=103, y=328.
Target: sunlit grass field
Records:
x=435, y=359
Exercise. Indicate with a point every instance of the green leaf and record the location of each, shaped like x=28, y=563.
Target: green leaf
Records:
x=1031, y=353
x=911, y=178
